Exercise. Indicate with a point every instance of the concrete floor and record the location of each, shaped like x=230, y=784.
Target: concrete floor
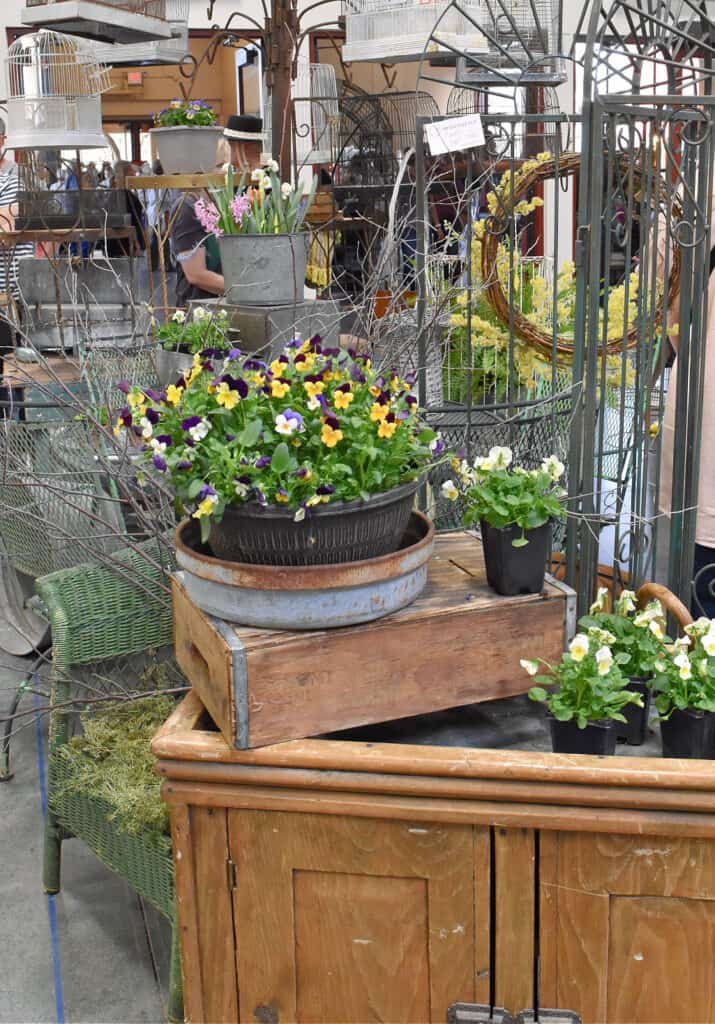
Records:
x=92, y=953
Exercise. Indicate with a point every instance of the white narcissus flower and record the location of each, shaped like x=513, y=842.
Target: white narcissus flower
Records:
x=500, y=457
x=449, y=490
x=600, y=603
x=708, y=642
x=578, y=648
x=272, y=165
x=257, y=175
x=604, y=660
x=532, y=667
x=554, y=467
x=266, y=183
x=286, y=189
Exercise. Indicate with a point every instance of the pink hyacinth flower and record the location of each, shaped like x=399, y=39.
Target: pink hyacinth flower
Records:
x=240, y=206
x=208, y=217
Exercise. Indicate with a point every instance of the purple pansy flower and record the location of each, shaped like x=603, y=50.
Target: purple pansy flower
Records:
x=234, y=353
x=206, y=491
x=236, y=384
x=265, y=460
x=437, y=446
x=184, y=464
x=189, y=422
x=164, y=439
x=254, y=364
x=260, y=497
x=411, y=400
x=156, y=396
x=125, y=416
x=159, y=463
x=403, y=415
x=301, y=473
x=461, y=453
x=325, y=489
x=152, y=415
x=332, y=420
x=124, y=386
x=295, y=343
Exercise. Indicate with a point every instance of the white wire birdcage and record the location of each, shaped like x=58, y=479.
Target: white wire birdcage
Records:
x=524, y=39
x=401, y=30
x=315, y=112
x=109, y=21
x=54, y=88
x=155, y=51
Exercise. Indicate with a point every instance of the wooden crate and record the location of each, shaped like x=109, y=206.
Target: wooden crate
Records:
x=458, y=643
x=326, y=880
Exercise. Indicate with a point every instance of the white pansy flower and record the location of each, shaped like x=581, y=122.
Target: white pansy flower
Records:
x=654, y=610
x=681, y=644
x=626, y=603
x=656, y=629
x=286, y=426
x=299, y=515
x=532, y=667
x=286, y=189
x=199, y=432
x=257, y=175
x=147, y=429
x=500, y=457
x=201, y=314
x=159, y=447
x=686, y=671
x=554, y=467
x=179, y=316
x=241, y=489
x=604, y=660
x=603, y=636
x=641, y=620
x=578, y=648
x=708, y=642
x=313, y=403
x=449, y=490
x=703, y=668
x=483, y=464
x=681, y=659
x=700, y=627
x=659, y=666
x=600, y=603
x=272, y=165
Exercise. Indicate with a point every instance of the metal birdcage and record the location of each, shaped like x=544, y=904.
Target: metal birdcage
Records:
x=156, y=51
x=54, y=88
x=523, y=139
x=111, y=21
x=398, y=30
x=316, y=113
x=524, y=39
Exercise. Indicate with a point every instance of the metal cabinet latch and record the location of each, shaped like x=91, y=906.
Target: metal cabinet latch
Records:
x=473, y=1013
x=548, y=1017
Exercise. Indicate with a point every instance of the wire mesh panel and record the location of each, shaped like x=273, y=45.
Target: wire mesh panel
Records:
x=315, y=113
x=54, y=89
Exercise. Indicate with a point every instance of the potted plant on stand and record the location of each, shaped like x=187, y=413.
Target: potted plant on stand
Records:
x=515, y=508
x=685, y=693
x=186, y=136
x=182, y=337
x=264, y=248
x=638, y=644
x=588, y=704
x=313, y=459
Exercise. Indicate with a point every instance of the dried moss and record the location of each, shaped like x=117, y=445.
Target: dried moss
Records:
x=112, y=761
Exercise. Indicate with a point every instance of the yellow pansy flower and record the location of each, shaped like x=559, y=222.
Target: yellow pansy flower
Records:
x=136, y=399
x=173, y=394
x=375, y=390
x=342, y=399
x=386, y=429
x=378, y=412
x=314, y=387
x=205, y=508
x=329, y=436
x=279, y=388
x=226, y=397
x=277, y=367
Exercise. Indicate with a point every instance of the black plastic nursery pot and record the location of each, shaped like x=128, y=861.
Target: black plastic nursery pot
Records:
x=597, y=738
x=510, y=570
x=336, y=532
x=633, y=730
x=689, y=734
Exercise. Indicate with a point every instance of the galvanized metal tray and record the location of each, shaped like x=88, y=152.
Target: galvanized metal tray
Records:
x=305, y=597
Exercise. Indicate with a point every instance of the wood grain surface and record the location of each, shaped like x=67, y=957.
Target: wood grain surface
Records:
x=514, y=867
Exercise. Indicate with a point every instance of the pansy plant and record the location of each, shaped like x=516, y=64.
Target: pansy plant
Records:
x=501, y=495
x=186, y=114
x=316, y=425
x=202, y=330
x=685, y=675
x=639, y=635
x=587, y=685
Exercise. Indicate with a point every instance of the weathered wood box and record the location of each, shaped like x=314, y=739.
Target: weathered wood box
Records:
x=458, y=643
x=333, y=880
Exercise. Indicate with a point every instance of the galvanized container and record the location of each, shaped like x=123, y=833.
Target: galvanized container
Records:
x=305, y=597
x=187, y=150
x=171, y=365
x=264, y=270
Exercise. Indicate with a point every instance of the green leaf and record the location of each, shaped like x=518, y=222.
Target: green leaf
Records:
x=520, y=542
x=250, y=434
x=280, y=463
x=193, y=489
x=538, y=693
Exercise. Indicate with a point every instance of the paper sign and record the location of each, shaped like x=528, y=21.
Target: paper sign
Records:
x=455, y=133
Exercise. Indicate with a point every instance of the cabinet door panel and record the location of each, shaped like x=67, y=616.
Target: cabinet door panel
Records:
x=351, y=920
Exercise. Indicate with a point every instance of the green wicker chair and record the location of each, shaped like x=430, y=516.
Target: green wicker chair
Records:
x=100, y=615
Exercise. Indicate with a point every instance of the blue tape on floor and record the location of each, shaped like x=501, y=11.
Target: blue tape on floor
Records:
x=51, y=910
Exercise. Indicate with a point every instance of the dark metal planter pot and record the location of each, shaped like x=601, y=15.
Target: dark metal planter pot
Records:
x=689, y=734
x=633, y=731
x=330, y=534
x=510, y=570
x=597, y=738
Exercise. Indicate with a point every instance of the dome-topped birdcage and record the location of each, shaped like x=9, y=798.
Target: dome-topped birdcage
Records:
x=398, y=30
x=109, y=21
x=156, y=51
x=54, y=88
x=517, y=138
x=524, y=39
x=315, y=113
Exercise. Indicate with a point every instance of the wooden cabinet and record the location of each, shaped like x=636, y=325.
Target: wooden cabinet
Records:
x=332, y=881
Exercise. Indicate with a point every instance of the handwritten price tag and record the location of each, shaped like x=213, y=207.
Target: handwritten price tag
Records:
x=455, y=134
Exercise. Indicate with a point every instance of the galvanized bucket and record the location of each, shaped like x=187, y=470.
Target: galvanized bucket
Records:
x=264, y=270
x=171, y=365
x=187, y=150
x=305, y=597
